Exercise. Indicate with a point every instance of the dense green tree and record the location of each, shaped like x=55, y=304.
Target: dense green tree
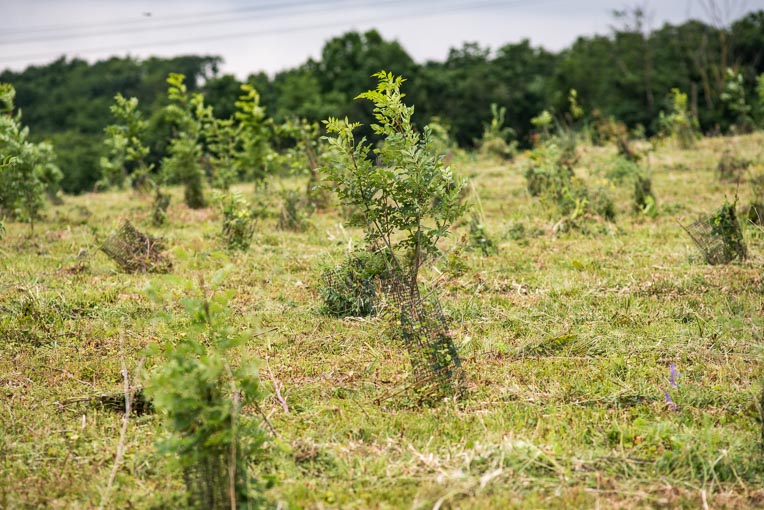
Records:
x=626, y=75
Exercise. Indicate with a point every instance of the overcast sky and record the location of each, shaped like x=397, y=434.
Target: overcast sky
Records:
x=271, y=35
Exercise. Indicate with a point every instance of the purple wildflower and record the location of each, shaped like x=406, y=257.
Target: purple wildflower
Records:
x=669, y=402
x=672, y=377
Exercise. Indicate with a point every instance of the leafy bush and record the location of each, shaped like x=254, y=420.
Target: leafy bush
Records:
x=305, y=157
x=440, y=138
x=679, y=124
x=547, y=175
x=28, y=169
x=127, y=153
x=238, y=221
x=222, y=140
x=185, y=151
x=734, y=98
x=644, y=200
x=719, y=235
x=252, y=157
x=349, y=290
x=406, y=198
x=622, y=169
x=495, y=141
x=201, y=395
x=601, y=203
x=607, y=129
x=725, y=225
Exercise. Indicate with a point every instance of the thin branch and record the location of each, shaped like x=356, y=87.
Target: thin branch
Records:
x=122, y=434
x=276, y=387
x=265, y=419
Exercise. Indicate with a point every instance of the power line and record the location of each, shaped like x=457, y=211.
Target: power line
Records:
x=151, y=17
x=472, y=6
x=231, y=16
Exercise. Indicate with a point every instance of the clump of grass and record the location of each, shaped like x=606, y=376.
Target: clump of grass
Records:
x=549, y=176
x=601, y=203
x=546, y=175
x=644, y=200
x=756, y=207
x=479, y=238
x=731, y=167
x=622, y=169
x=159, y=208
x=294, y=212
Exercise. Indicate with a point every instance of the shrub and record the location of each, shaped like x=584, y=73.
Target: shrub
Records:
x=406, y=198
x=601, y=203
x=608, y=129
x=201, y=396
x=440, y=138
x=305, y=157
x=252, y=157
x=495, y=141
x=549, y=176
x=185, y=151
x=679, y=124
x=28, y=169
x=719, y=236
x=644, y=200
x=222, y=139
x=238, y=222
x=349, y=290
x=127, y=153
x=622, y=169
x=733, y=96
x=725, y=225
x=544, y=174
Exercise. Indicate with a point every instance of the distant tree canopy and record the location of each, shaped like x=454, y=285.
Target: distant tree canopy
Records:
x=627, y=74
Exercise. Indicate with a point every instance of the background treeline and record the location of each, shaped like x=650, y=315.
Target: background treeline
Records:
x=626, y=75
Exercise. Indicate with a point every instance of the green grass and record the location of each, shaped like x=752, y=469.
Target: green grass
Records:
x=566, y=339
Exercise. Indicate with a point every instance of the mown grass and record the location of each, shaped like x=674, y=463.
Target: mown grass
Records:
x=566, y=338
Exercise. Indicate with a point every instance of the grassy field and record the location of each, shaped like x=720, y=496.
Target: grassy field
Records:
x=566, y=340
